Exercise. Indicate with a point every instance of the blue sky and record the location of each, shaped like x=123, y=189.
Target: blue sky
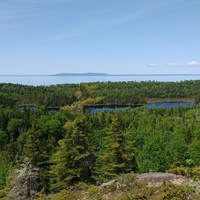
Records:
x=112, y=36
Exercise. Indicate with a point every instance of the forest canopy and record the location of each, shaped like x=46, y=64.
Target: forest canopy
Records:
x=73, y=146
x=113, y=92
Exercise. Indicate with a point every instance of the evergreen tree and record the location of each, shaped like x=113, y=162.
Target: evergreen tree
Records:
x=113, y=159
x=38, y=151
x=72, y=161
x=35, y=148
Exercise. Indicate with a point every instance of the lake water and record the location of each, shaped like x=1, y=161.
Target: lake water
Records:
x=149, y=106
x=51, y=80
x=93, y=109
x=170, y=104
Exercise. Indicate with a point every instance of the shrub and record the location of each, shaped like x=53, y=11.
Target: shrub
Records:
x=177, y=192
x=4, y=168
x=179, y=171
x=196, y=173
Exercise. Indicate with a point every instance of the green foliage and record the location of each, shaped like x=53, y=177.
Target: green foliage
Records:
x=154, y=155
x=66, y=194
x=114, y=158
x=35, y=147
x=114, y=92
x=194, y=152
x=85, y=96
x=85, y=91
x=176, y=192
x=71, y=147
x=72, y=161
x=93, y=192
x=132, y=196
x=195, y=174
x=5, y=165
x=179, y=171
x=3, y=139
x=14, y=128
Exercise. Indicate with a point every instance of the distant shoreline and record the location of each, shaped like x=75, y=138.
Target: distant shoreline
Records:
x=37, y=80
x=81, y=74
x=105, y=74
x=97, y=74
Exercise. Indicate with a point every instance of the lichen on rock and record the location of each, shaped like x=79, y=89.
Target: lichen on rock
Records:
x=24, y=182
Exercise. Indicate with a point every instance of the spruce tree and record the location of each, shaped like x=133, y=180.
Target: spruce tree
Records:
x=72, y=161
x=37, y=150
x=115, y=157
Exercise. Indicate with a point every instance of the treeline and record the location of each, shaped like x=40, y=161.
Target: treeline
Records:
x=14, y=95
x=72, y=146
x=140, y=92
x=113, y=93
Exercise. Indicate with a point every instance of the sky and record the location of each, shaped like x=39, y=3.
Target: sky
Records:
x=110, y=36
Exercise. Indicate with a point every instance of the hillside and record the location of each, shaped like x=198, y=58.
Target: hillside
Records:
x=72, y=152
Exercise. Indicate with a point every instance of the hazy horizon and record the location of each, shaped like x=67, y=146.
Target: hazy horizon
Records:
x=104, y=74
x=115, y=37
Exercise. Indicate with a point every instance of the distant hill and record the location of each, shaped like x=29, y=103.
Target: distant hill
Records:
x=81, y=74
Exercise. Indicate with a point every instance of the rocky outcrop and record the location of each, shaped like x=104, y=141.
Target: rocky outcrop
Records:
x=155, y=180
x=104, y=185
x=158, y=178
x=24, y=182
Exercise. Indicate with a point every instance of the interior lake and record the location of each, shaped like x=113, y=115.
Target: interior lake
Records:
x=110, y=108
x=94, y=109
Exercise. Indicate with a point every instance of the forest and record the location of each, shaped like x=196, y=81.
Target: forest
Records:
x=72, y=146
x=113, y=93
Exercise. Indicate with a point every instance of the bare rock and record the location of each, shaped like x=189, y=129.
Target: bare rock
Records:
x=104, y=185
x=157, y=178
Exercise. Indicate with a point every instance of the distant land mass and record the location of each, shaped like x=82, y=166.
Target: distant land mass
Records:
x=81, y=74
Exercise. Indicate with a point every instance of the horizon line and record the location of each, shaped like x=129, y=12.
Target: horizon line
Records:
x=100, y=74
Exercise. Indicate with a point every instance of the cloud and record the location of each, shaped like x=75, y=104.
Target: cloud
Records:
x=192, y=63
x=151, y=65
x=184, y=64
